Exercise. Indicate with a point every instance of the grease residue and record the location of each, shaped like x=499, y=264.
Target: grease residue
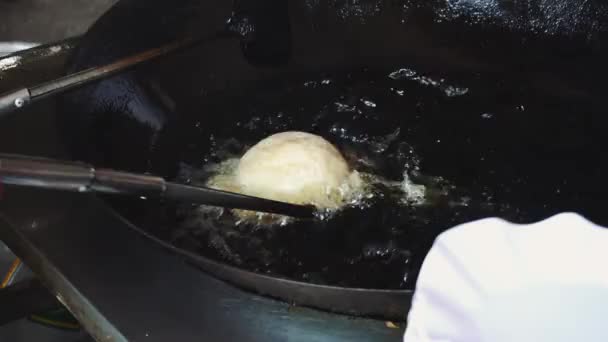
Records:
x=9, y=62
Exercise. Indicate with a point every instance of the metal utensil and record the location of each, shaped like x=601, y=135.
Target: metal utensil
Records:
x=19, y=98
x=74, y=176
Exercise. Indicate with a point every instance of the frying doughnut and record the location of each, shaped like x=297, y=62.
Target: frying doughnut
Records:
x=296, y=167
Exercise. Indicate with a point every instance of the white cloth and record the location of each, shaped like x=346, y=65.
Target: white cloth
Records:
x=494, y=281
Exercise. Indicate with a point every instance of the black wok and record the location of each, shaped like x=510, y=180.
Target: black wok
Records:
x=143, y=120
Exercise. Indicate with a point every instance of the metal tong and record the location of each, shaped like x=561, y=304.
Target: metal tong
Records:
x=19, y=98
x=80, y=177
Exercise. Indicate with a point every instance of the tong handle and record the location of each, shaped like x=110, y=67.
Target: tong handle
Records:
x=17, y=99
x=45, y=173
x=14, y=100
x=73, y=176
x=81, y=177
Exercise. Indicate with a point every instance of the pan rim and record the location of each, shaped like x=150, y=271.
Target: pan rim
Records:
x=390, y=304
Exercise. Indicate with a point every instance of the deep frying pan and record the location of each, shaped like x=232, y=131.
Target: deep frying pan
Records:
x=133, y=121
